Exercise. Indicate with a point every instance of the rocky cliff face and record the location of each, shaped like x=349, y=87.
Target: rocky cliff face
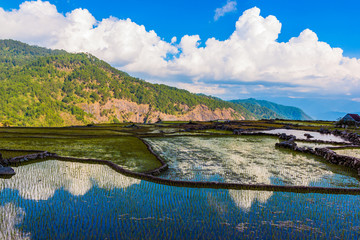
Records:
x=124, y=110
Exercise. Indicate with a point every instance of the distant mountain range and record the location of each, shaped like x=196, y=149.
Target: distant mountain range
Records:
x=43, y=87
x=322, y=108
x=270, y=110
x=333, y=115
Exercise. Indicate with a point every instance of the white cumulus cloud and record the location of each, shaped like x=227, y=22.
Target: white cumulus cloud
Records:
x=251, y=55
x=121, y=42
x=230, y=6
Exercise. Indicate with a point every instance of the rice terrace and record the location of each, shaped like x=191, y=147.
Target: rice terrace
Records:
x=185, y=119
x=157, y=180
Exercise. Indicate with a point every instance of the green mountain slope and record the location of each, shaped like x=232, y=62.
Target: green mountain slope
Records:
x=42, y=87
x=259, y=111
x=266, y=109
x=15, y=53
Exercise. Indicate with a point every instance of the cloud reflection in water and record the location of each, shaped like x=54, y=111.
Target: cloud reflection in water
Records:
x=39, y=181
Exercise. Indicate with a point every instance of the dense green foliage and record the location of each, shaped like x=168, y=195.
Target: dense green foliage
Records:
x=260, y=111
x=15, y=53
x=29, y=87
x=266, y=109
x=38, y=86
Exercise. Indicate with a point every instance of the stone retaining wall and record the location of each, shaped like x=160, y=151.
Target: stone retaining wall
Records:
x=5, y=170
x=25, y=158
x=249, y=133
x=342, y=160
x=351, y=137
x=326, y=153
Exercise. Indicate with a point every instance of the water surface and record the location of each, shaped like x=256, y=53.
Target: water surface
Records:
x=246, y=159
x=353, y=152
x=126, y=151
x=315, y=144
x=63, y=200
x=299, y=134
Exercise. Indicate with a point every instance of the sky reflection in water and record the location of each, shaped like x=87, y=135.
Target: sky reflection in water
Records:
x=87, y=200
x=246, y=159
x=299, y=134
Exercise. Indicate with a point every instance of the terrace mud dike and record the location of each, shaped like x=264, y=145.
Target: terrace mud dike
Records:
x=6, y=171
x=151, y=176
x=195, y=184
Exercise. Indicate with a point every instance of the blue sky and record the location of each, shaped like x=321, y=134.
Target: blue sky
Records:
x=268, y=49
x=335, y=22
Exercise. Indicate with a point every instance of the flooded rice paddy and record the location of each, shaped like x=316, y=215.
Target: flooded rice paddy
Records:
x=246, y=159
x=299, y=134
x=352, y=152
x=126, y=151
x=316, y=145
x=66, y=200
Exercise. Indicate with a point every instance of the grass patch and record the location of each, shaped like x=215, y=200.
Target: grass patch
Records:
x=307, y=123
x=79, y=131
x=126, y=151
x=12, y=154
x=215, y=131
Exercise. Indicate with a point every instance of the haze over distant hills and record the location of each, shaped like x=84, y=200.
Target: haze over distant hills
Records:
x=42, y=87
x=322, y=108
x=272, y=110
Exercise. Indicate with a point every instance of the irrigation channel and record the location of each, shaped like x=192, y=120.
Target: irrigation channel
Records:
x=206, y=186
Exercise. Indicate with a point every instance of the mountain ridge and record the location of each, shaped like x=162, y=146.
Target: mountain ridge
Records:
x=42, y=87
x=272, y=110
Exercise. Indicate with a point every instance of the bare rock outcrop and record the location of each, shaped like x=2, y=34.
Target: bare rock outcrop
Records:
x=125, y=110
x=289, y=143
x=6, y=171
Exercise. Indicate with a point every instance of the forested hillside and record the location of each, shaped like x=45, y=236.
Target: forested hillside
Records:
x=266, y=109
x=42, y=87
